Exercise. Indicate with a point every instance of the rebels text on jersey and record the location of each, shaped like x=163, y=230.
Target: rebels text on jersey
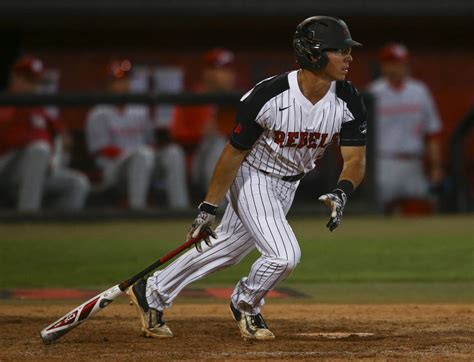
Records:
x=287, y=133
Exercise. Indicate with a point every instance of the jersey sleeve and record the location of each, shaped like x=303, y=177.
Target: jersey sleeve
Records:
x=253, y=112
x=97, y=133
x=247, y=129
x=354, y=126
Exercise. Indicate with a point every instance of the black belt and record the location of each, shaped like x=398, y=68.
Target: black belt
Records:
x=292, y=178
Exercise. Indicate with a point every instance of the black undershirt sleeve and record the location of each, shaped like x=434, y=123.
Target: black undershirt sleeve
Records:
x=246, y=132
x=354, y=132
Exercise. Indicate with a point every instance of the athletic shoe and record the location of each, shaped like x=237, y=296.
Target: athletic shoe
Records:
x=251, y=326
x=152, y=321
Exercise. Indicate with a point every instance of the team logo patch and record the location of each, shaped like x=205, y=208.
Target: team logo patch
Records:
x=238, y=129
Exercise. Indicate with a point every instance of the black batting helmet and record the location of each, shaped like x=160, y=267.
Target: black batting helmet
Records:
x=317, y=34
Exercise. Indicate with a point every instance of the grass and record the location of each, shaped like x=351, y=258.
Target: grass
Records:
x=366, y=257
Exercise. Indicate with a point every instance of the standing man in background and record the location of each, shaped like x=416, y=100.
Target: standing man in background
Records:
x=121, y=139
x=204, y=130
x=407, y=126
x=283, y=125
x=27, y=136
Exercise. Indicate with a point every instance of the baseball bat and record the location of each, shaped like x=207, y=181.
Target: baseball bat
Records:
x=86, y=310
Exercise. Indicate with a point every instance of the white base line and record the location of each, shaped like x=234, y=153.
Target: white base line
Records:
x=336, y=335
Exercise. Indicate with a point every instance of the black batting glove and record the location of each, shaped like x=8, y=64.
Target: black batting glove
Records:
x=335, y=200
x=203, y=222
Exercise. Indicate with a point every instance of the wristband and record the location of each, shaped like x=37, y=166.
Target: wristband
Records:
x=346, y=186
x=207, y=207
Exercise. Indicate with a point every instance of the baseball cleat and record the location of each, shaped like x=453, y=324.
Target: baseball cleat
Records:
x=251, y=326
x=153, y=325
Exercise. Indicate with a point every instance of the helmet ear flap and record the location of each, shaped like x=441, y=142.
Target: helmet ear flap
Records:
x=309, y=57
x=300, y=49
x=320, y=59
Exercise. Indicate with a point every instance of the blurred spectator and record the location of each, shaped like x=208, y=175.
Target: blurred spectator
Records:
x=407, y=129
x=204, y=130
x=27, y=136
x=121, y=139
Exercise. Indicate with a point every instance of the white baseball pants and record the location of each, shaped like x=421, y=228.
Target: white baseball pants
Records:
x=255, y=217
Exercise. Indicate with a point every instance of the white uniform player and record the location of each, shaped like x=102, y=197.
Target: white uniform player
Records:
x=406, y=117
x=282, y=128
x=121, y=139
x=28, y=139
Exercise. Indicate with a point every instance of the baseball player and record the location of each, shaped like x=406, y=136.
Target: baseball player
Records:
x=407, y=125
x=283, y=125
x=27, y=136
x=121, y=138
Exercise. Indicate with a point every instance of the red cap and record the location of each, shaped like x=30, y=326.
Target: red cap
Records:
x=394, y=52
x=29, y=66
x=119, y=69
x=218, y=57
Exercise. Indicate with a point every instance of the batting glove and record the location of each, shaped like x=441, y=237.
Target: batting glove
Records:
x=336, y=201
x=203, y=222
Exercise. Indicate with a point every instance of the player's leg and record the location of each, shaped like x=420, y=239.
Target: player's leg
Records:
x=138, y=168
x=66, y=189
x=30, y=173
x=233, y=243
x=7, y=166
x=389, y=183
x=262, y=203
x=152, y=296
x=172, y=161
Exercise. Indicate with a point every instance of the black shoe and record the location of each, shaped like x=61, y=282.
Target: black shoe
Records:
x=251, y=326
x=151, y=319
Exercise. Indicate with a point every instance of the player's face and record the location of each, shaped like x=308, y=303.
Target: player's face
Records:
x=219, y=78
x=395, y=71
x=338, y=66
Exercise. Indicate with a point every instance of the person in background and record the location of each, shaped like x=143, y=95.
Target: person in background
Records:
x=121, y=139
x=407, y=127
x=204, y=130
x=27, y=135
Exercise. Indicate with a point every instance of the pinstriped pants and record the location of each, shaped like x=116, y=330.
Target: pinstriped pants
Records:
x=254, y=218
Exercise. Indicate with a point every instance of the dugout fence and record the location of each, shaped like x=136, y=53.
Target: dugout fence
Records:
x=306, y=203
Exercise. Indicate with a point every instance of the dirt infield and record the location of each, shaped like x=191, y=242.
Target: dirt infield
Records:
x=206, y=331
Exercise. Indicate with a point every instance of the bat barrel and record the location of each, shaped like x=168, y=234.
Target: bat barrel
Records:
x=78, y=315
x=49, y=338
x=86, y=310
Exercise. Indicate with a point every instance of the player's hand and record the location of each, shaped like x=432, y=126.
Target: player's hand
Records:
x=203, y=222
x=336, y=201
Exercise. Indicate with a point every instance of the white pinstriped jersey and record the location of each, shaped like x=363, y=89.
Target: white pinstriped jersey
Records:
x=107, y=125
x=404, y=117
x=287, y=133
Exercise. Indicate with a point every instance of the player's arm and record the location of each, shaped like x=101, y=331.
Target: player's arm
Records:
x=353, y=169
x=224, y=173
x=245, y=134
x=433, y=128
x=434, y=157
x=353, y=139
x=241, y=142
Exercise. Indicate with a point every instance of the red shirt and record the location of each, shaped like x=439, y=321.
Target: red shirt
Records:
x=190, y=122
x=21, y=126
